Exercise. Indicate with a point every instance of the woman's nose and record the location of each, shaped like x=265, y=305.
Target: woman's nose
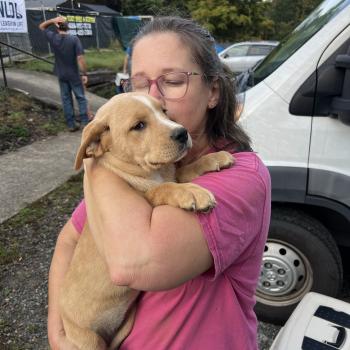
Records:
x=154, y=91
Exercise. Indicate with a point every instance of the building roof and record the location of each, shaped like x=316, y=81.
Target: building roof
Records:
x=80, y=6
x=39, y=4
x=101, y=8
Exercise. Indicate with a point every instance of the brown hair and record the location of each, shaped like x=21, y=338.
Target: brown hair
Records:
x=220, y=123
x=63, y=26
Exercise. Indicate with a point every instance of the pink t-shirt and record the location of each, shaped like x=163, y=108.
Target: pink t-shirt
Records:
x=213, y=311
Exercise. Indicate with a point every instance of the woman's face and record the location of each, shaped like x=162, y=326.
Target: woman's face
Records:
x=160, y=53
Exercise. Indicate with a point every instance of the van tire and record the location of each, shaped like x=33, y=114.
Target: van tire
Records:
x=302, y=242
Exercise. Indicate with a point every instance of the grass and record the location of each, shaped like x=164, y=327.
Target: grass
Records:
x=106, y=59
x=24, y=120
x=8, y=253
x=61, y=201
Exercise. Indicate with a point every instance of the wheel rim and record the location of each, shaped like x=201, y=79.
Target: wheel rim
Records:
x=286, y=275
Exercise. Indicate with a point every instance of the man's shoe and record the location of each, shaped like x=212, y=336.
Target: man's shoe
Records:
x=83, y=124
x=73, y=128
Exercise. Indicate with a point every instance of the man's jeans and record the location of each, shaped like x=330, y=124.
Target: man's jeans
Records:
x=66, y=88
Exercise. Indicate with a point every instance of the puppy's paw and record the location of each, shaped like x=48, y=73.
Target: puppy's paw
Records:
x=220, y=160
x=186, y=196
x=195, y=198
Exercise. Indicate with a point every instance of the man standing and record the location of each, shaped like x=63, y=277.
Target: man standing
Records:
x=69, y=57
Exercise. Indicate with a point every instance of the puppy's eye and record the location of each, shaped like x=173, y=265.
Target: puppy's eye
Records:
x=139, y=126
x=165, y=111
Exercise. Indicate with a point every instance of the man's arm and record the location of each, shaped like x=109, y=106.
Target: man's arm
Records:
x=125, y=63
x=83, y=68
x=51, y=21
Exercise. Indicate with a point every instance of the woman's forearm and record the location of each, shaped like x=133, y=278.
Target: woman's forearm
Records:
x=62, y=257
x=119, y=219
x=141, y=244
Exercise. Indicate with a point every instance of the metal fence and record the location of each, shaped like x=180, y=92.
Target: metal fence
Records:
x=20, y=40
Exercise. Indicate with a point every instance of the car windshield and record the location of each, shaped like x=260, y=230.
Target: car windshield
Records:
x=291, y=43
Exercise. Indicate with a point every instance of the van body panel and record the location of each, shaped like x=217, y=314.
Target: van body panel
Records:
x=277, y=136
x=289, y=184
x=329, y=163
x=329, y=184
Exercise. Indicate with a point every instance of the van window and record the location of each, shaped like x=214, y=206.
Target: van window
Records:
x=309, y=27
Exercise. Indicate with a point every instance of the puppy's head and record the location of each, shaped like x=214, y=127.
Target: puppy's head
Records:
x=134, y=129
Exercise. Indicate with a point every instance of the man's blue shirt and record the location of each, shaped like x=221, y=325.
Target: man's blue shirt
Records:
x=66, y=48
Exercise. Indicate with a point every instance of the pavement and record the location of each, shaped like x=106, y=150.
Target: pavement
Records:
x=35, y=170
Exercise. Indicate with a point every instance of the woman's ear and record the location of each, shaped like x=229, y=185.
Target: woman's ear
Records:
x=214, y=94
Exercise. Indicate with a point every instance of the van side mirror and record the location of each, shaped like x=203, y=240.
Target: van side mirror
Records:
x=326, y=91
x=341, y=104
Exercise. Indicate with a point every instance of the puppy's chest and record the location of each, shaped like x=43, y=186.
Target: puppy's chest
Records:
x=158, y=178
x=165, y=174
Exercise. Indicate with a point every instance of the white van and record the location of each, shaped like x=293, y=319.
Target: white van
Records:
x=297, y=112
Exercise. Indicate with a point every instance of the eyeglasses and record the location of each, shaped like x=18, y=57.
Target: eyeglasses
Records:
x=172, y=86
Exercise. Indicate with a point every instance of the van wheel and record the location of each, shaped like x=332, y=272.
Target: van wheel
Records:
x=300, y=256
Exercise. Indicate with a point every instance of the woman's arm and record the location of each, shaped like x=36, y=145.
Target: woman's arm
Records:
x=145, y=248
x=66, y=243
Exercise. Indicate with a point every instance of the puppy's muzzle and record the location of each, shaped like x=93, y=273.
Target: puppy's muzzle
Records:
x=180, y=135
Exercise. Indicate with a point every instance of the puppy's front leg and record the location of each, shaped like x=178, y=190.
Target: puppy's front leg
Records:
x=186, y=196
x=207, y=163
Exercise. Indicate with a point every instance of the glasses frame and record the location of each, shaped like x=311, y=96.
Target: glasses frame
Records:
x=156, y=81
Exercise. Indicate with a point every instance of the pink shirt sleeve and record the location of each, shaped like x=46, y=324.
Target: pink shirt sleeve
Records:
x=79, y=216
x=239, y=222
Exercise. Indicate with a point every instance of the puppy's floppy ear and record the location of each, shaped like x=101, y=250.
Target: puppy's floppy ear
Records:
x=95, y=141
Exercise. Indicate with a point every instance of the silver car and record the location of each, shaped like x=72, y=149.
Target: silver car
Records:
x=240, y=57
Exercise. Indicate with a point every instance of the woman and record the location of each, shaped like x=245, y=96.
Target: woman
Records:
x=199, y=271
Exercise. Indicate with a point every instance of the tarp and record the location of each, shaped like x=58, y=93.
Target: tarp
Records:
x=126, y=28
x=99, y=34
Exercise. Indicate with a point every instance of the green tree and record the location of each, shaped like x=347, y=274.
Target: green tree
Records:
x=286, y=15
x=154, y=7
x=233, y=20
x=141, y=7
x=221, y=17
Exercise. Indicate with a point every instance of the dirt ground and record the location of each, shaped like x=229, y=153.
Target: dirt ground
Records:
x=26, y=246
x=24, y=120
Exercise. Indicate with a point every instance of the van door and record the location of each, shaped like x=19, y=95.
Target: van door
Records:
x=329, y=161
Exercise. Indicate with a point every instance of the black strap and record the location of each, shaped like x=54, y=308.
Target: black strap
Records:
x=312, y=344
x=338, y=317
x=341, y=321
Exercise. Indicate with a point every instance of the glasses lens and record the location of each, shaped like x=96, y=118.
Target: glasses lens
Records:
x=173, y=85
x=138, y=84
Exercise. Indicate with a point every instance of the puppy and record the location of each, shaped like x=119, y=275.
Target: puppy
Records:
x=132, y=136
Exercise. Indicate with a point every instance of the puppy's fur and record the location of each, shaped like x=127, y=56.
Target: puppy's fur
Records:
x=133, y=137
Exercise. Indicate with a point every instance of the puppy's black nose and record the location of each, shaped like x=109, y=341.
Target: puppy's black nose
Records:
x=180, y=135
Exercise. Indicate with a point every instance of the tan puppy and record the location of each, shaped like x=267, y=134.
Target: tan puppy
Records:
x=133, y=137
